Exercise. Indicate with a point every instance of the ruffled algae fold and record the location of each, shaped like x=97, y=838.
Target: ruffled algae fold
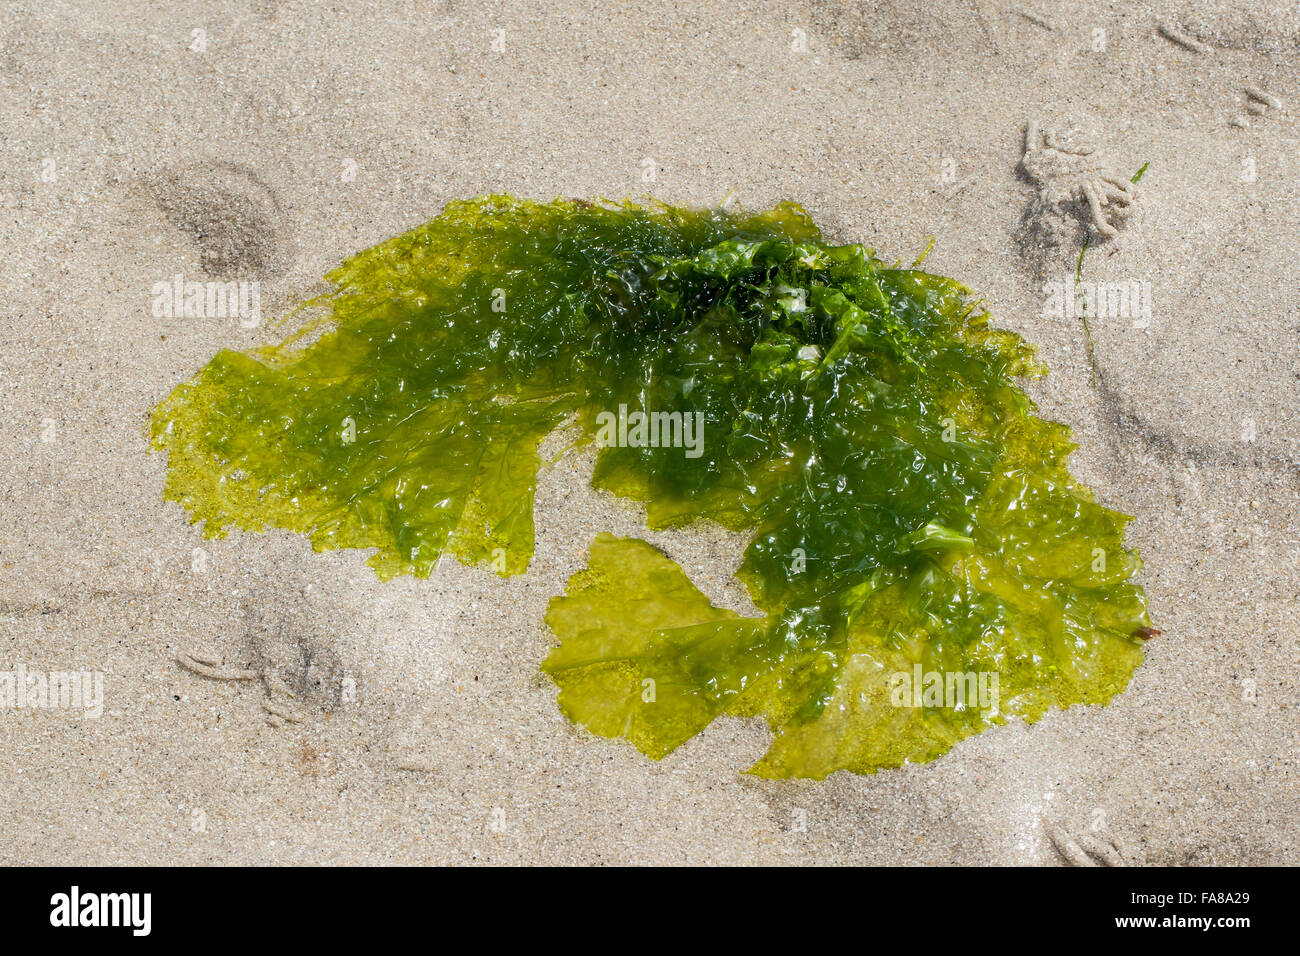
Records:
x=909, y=515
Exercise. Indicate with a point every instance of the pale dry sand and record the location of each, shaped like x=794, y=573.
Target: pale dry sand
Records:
x=232, y=159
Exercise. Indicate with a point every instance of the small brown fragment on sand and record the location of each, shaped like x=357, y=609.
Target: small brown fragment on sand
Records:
x=312, y=760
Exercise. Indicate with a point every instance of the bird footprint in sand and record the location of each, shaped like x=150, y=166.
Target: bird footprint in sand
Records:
x=1074, y=182
x=1082, y=849
x=298, y=672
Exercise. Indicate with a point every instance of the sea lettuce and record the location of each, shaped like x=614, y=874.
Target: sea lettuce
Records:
x=907, y=512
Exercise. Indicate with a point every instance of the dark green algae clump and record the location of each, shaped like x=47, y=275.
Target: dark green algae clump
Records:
x=908, y=512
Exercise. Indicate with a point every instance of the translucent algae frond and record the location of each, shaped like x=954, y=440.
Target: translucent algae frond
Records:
x=910, y=517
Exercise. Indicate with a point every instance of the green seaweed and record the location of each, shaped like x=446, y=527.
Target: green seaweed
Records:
x=907, y=512
x=1078, y=283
